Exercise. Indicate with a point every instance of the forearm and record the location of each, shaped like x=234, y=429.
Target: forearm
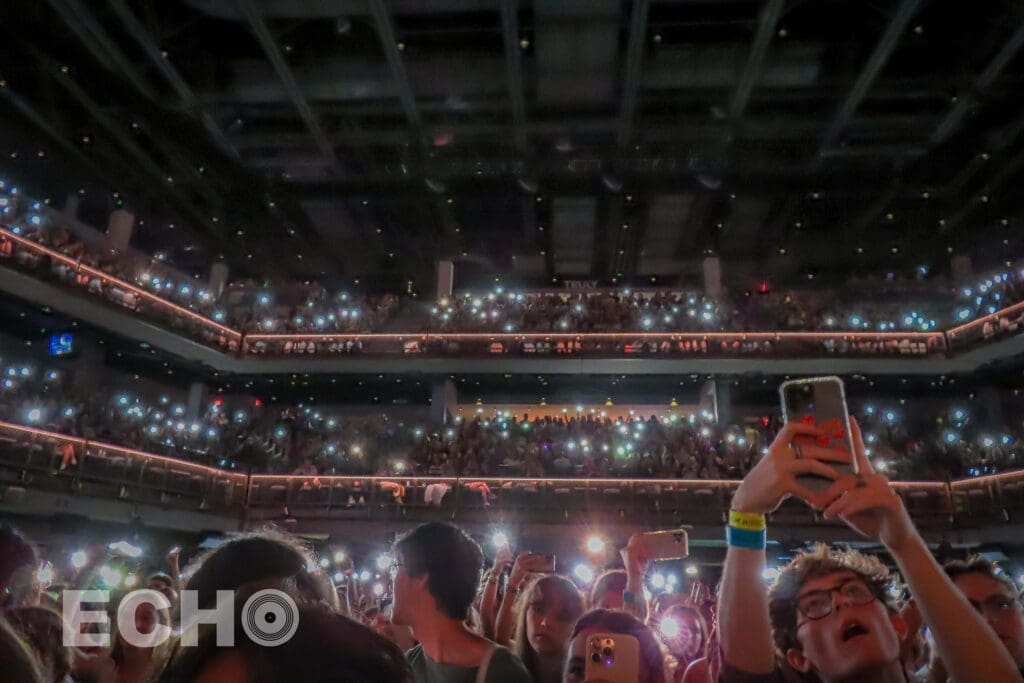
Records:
x=488, y=606
x=637, y=606
x=504, y=624
x=746, y=631
x=967, y=646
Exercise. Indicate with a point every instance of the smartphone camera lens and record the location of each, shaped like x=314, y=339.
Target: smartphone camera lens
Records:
x=607, y=652
x=595, y=657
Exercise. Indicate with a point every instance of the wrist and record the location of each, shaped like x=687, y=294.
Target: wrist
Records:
x=742, y=505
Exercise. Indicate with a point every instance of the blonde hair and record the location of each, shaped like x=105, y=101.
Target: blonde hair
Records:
x=823, y=560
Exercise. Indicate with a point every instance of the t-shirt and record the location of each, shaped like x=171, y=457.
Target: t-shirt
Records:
x=731, y=675
x=505, y=667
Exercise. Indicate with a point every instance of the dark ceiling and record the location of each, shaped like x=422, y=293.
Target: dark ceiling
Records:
x=537, y=139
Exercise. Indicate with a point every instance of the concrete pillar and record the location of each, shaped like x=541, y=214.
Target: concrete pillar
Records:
x=218, y=278
x=444, y=399
x=707, y=399
x=71, y=205
x=197, y=392
x=723, y=401
x=119, y=231
x=88, y=365
x=445, y=279
x=713, y=277
x=963, y=271
x=992, y=403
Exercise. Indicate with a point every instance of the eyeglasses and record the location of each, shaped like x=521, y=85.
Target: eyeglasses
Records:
x=819, y=604
x=995, y=607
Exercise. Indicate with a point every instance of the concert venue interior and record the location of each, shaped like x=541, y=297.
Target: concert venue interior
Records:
x=326, y=271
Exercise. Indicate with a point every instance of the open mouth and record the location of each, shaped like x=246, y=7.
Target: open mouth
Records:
x=851, y=631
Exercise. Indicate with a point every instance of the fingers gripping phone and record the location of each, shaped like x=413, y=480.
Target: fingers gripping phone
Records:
x=613, y=657
x=820, y=402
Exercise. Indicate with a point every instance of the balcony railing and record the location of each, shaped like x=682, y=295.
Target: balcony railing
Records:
x=32, y=257
x=33, y=457
x=29, y=255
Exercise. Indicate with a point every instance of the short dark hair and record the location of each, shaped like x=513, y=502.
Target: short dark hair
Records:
x=255, y=557
x=613, y=580
x=163, y=578
x=16, y=554
x=452, y=561
x=976, y=564
x=326, y=647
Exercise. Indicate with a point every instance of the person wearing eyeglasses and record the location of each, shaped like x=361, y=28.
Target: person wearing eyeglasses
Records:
x=993, y=593
x=831, y=613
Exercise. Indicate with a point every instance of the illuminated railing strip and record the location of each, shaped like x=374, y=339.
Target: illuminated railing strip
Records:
x=32, y=432
x=5, y=233
x=81, y=267
x=496, y=481
x=1009, y=310
x=598, y=336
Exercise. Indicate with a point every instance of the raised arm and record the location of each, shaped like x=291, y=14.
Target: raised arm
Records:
x=744, y=623
x=868, y=504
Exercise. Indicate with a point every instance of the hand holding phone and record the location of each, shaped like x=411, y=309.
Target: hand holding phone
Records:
x=612, y=658
x=665, y=545
x=820, y=402
x=530, y=563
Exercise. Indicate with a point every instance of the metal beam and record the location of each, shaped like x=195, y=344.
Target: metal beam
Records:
x=274, y=55
x=514, y=70
x=388, y=42
x=138, y=32
x=116, y=133
x=969, y=208
x=634, y=67
x=42, y=123
x=876, y=62
x=96, y=40
x=948, y=125
x=766, y=23
x=987, y=77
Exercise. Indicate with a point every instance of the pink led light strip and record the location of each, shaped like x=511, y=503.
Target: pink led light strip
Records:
x=38, y=248
x=441, y=336
x=335, y=479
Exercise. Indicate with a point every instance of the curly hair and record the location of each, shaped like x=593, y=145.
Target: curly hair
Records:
x=823, y=560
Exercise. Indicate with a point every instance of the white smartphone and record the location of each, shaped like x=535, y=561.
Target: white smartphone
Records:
x=821, y=402
x=613, y=658
x=666, y=545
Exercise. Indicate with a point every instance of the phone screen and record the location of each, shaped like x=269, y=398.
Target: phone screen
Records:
x=821, y=402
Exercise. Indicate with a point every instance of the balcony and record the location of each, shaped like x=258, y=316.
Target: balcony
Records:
x=193, y=495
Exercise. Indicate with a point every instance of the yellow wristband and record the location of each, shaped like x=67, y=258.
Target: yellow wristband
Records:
x=742, y=520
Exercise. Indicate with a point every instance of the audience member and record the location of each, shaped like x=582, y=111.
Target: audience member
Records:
x=831, y=611
x=438, y=573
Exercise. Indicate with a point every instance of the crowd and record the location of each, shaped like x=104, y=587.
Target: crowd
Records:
x=251, y=307
x=241, y=432
x=432, y=610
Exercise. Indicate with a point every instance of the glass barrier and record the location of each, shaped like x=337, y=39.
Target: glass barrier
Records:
x=51, y=265
x=1002, y=323
x=48, y=264
x=614, y=345
x=57, y=462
